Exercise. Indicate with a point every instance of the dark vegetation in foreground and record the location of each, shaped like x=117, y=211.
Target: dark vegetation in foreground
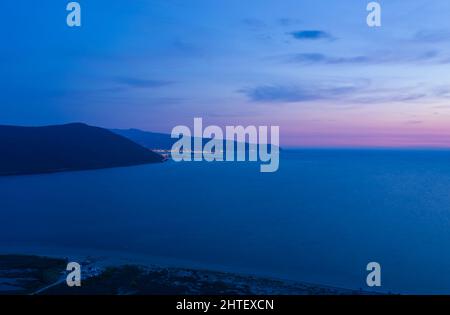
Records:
x=43, y=275
x=21, y=274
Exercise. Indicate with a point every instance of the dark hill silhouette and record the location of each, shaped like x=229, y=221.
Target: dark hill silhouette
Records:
x=29, y=150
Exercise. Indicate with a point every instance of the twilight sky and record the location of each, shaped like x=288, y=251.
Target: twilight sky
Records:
x=312, y=67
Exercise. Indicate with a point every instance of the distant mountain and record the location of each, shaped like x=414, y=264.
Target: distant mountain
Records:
x=150, y=140
x=29, y=150
x=153, y=140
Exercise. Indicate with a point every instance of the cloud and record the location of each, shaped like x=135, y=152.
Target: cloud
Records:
x=442, y=91
x=354, y=92
x=310, y=35
x=414, y=122
x=391, y=96
x=285, y=21
x=379, y=58
x=279, y=94
x=321, y=58
x=260, y=25
x=142, y=83
x=255, y=24
x=291, y=94
x=432, y=36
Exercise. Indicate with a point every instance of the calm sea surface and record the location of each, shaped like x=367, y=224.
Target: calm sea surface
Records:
x=321, y=218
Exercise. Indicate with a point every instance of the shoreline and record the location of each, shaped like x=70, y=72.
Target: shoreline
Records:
x=187, y=279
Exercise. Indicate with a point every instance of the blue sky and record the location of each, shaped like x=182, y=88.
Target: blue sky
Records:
x=312, y=67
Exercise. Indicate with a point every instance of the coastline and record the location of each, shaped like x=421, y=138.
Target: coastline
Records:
x=105, y=274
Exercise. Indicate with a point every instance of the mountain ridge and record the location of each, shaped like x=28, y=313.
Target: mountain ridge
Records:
x=160, y=141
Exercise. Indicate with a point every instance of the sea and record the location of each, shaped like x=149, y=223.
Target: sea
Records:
x=321, y=218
